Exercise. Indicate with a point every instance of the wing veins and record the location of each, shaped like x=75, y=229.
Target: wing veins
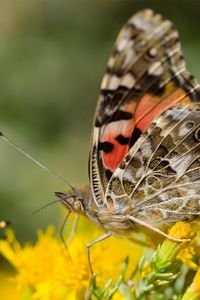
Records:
x=142, y=178
x=168, y=188
x=139, y=77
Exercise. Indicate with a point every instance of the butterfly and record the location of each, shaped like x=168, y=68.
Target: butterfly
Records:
x=144, y=161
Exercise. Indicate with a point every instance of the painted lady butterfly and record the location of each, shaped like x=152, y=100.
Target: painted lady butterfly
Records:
x=144, y=163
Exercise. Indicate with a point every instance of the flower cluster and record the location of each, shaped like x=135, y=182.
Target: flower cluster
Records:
x=47, y=270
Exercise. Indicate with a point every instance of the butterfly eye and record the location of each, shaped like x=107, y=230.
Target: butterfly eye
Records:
x=78, y=206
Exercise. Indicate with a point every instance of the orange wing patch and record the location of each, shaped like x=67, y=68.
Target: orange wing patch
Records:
x=150, y=106
x=115, y=142
x=117, y=137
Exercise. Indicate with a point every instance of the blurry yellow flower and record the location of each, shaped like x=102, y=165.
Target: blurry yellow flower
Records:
x=49, y=271
x=7, y=291
x=196, y=283
x=193, y=292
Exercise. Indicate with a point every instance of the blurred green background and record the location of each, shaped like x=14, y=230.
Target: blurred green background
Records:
x=52, y=56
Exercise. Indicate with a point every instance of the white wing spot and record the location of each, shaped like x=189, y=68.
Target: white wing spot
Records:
x=111, y=62
x=105, y=80
x=146, y=148
x=153, y=52
x=156, y=69
x=128, y=80
x=114, y=82
x=110, y=82
x=128, y=58
x=122, y=44
x=181, y=164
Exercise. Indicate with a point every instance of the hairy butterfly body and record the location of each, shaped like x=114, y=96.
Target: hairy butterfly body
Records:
x=144, y=163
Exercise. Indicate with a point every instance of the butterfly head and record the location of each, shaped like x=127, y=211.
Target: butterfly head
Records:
x=72, y=200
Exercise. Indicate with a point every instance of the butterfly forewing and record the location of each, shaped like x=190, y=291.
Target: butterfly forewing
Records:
x=146, y=75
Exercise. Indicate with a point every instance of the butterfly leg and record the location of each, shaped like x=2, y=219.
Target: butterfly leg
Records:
x=73, y=230
x=89, y=245
x=62, y=229
x=147, y=225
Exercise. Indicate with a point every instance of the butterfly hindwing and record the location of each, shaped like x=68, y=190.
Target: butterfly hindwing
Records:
x=146, y=75
x=159, y=180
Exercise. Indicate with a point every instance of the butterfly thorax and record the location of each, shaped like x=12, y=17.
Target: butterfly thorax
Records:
x=114, y=219
x=106, y=215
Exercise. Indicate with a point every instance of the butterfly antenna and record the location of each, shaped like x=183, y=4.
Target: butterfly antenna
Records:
x=45, y=206
x=15, y=146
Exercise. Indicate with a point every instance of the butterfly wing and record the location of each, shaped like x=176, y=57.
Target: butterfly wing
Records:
x=145, y=75
x=159, y=180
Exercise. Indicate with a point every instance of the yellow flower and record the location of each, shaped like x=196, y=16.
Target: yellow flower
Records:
x=162, y=269
x=181, y=230
x=193, y=292
x=188, y=250
x=171, y=249
x=49, y=271
x=186, y=255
